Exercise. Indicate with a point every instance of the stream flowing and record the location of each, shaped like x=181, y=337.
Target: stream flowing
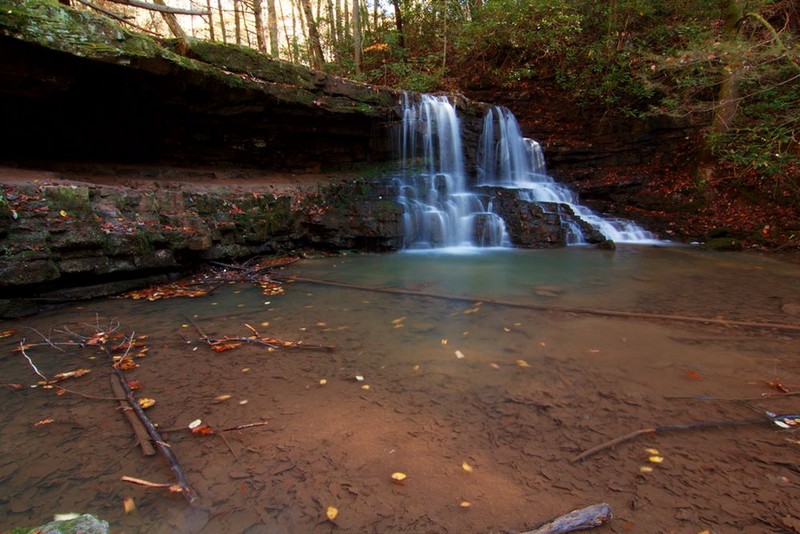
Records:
x=509, y=391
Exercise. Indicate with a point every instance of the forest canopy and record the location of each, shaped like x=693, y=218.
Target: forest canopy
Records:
x=731, y=64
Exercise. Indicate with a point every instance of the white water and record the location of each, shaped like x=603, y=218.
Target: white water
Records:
x=440, y=212
x=507, y=159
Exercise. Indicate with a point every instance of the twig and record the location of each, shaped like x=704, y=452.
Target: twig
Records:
x=30, y=362
x=229, y=446
x=665, y=428
x=561, y=309
x=765, y=396
x=172, y=487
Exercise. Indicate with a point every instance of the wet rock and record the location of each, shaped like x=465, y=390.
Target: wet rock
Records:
x=84, y=524
x=721, y=244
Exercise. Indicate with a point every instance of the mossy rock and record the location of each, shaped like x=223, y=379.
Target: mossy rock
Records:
x=84, y=524
x=72, y=199
x=721, y=244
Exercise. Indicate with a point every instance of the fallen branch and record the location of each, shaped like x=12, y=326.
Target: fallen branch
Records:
x=666, y=428
x=559, y=309
x=127, y=410
x=188, y=493
x=175, y=488
x=581, y=519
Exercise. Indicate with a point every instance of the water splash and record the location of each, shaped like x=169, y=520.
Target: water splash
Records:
x=439, y=210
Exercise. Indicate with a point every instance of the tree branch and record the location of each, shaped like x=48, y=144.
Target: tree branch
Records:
x=163, y=9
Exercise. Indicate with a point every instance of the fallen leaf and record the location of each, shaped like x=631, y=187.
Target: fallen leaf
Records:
x=444, y=341
x=655, y=459
x=331, y=513
x=465, y=504
x=44, y=422
x=522, y=363
x=146, y=402
x=494, y=366
x=194, y=424
x=466, y=467
x=399, y=478
x=8, y=333
x=202, y=430
x=128, y=504
x=126, y=364
x=134, y=385
x=774, y=384
x=693, y=376
x=415, y=368
x=365, y=386
x=323, y=381
x=652, y=451
x=222, y=397
x=359, y=378
x=398, y=320
x=459, y=354
x=645, y=469
x=222, y=347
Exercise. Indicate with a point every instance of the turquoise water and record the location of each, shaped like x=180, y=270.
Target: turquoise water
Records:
x=454, y=374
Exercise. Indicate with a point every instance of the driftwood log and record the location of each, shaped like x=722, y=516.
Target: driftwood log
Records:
x=581, y=519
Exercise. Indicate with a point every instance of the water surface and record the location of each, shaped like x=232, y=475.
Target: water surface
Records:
x=513, y=392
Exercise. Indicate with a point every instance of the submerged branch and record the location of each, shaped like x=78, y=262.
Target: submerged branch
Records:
x=560, y=309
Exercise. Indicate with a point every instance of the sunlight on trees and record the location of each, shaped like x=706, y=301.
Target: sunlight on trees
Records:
x=732, y=64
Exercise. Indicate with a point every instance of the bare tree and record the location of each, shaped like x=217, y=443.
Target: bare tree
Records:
x=210, y=20
x=222, y=21
x=272, y=25
x=356, y=36
x=314, y=44
x=260, y=35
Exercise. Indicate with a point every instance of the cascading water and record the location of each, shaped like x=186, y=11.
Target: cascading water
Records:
x=507, y=159
x=439, y=211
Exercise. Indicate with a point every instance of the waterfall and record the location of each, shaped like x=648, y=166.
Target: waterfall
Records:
x=507, y=159
x=439, y=210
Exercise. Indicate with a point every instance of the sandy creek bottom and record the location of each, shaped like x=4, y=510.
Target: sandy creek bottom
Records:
x=531, y=390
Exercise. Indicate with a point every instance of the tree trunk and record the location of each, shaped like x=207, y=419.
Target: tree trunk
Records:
x=314, y=45
x=398, y=22
x=272, y=24
x=356, y=36
x=727, y=97
x=237, y=21
x=210, y=21
x=260, y=34
x=175, y=28
x=222, y=22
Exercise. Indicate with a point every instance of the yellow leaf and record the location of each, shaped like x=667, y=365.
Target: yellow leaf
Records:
x=651, y=451
x=459, y=354
x=465, y=504
x=365, y=386
x=222, y=397
x=655, y=459
x=398, y=320
x=146, y=402
x=398, y=477
x=331, y=513
x=522, y=363
x=128, y=504
x=323, y=381
x=645, y=469
x=7, y=333
x=444, y=341
x=62, y=213
x=466, y=467
x=415, y=368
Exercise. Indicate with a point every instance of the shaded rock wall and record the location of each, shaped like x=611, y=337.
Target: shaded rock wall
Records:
x=66, y=241
x=76, y=87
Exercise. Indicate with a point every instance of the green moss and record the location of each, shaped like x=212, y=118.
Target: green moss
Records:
x=72, y=199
